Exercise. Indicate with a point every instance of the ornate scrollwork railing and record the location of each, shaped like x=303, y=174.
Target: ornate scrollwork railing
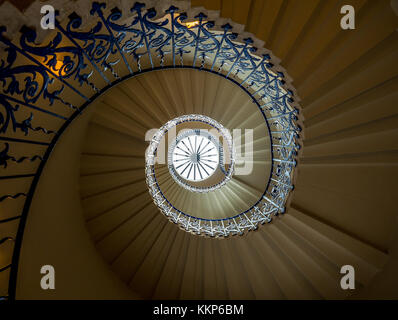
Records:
x=44, y=87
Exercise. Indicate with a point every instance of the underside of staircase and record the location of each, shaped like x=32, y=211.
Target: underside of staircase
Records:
x=92, y=217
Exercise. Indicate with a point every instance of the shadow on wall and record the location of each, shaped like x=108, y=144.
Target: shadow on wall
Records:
x=55, y=233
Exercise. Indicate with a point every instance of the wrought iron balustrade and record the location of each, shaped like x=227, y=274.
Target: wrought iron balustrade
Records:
x=45, y=87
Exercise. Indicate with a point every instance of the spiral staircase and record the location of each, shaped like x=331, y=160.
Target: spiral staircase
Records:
x=76, y=191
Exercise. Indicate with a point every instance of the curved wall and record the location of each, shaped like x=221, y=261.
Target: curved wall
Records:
x=55, y=233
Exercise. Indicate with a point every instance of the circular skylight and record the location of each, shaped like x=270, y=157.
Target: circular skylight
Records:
x=195, y=157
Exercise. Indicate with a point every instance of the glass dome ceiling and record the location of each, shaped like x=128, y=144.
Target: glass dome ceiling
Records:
x=195, y=157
